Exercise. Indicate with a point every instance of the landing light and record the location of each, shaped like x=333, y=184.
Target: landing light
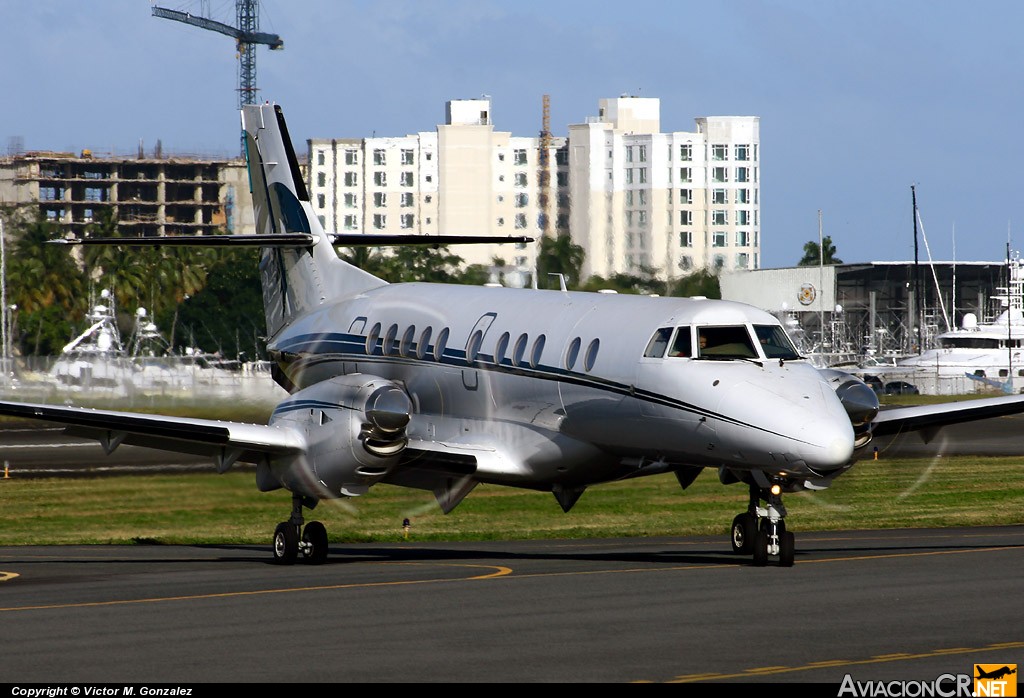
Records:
x=776, y=490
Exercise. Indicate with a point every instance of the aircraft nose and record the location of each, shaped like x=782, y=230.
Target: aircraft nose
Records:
x=827, y=443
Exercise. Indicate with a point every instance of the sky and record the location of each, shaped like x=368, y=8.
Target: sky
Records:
x=858, y=101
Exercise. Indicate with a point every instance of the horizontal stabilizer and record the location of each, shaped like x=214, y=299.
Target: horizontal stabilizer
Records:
x=276, y=240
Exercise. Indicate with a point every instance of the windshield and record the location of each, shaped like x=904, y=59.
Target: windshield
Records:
x=775, y=343
x=726, y=342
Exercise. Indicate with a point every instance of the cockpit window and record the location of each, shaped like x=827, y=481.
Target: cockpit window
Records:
x=681, y=345
x=659, y=343
x=775, y=343
x=730, y=342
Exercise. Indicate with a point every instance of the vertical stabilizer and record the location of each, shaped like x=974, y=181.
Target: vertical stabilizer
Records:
x=295, y=280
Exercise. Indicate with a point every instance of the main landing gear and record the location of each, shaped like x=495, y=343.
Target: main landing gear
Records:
x=761, y=530
x=288, y=544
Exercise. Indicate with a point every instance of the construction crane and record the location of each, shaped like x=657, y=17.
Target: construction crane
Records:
x=247, y=36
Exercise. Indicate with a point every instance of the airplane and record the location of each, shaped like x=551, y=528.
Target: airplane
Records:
x=442, y=387
x=997, y=674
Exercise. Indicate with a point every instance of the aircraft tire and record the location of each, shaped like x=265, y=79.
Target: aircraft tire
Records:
x=787, y=548
x=761, y=548
x=286, y=543
x=315, y=534
x=744, y=531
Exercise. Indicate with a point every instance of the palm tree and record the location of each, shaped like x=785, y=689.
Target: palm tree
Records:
x=814, y=255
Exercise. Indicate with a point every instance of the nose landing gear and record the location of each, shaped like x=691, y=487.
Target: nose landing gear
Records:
x=761, y=530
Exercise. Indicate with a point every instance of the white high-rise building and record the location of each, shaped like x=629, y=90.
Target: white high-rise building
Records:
x=646, y=202
x=464, y=179
x=637, y=200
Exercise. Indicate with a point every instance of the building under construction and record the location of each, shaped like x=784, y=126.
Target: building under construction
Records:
x=149, y=196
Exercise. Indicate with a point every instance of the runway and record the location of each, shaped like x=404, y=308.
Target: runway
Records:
x=887, y=605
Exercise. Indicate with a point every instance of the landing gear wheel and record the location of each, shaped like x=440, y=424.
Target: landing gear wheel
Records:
x=761, y=548
x=315, y=538
x=744, y=530
x=286, y=543
x=787, y=547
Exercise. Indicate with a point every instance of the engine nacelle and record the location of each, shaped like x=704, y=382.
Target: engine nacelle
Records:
x=858, y=399
x=355, y=430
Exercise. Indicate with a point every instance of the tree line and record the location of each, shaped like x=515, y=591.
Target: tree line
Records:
x=212, y=299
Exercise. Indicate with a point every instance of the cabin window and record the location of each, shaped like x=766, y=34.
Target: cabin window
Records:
x=682, y=345
x=775, y=343
x=442, y=340
x=538, y=349
x=421, y=346
x=405, y=348
x=1003, y=373
x=519, y=349
x=658, y=344
x=389, y=341
x=501, y=347
x=473, y=347
x=728, y=342
x=371, y=339
x=591, y=356
x=572, y=353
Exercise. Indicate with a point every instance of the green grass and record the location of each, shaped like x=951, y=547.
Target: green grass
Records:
x=210, y=508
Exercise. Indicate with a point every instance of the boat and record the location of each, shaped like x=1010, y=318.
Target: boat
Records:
x=978, y=356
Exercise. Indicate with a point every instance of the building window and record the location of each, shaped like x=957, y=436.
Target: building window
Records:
x=743, y=196
x=719, y=238
x=642, y=217
x=643, y=175
x=350, y=200
x=719, y=152
x=720, y=174
x=428, y=156
x=742, y=174
x=407, y=199
x=686, y=218
x=350, y=222
x=742, y=238
x=406, y=179
x=642, y=196
x=562, y=157
x=380, y=199
x=684, y=174
x=686, y=239
x=520, y=179
x=685, y=262
x=428, y=178
x=380, y=221
x=685, y=196
x=351, y=157
x=501, y=222
x=563, y=179
x=407, y=221
x=686, y=152
x=719, y=262
x=718, y=196
x=321, y=201
x=520, y=221
x=407, y=157
x=379, y=157
x=380, y=179
x=520, y=156
x=320, y=157
x=743, y=217
x=629, y=223
x=642, y=153
x=522, y=200
x=629, y=153
x=742, y=152
x=629, y=175
x=629, y=197
x=742, y=261
x=719, y=217
x=427, y=199
x=323, y=221
x=321, y=179
x=351, y=179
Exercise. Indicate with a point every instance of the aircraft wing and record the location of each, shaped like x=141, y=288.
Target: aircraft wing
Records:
x=225, y=442
x=930, y=418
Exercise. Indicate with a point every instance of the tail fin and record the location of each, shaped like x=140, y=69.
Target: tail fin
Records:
x=295, y=280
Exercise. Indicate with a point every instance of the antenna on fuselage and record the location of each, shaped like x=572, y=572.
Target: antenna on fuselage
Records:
x=561, y=280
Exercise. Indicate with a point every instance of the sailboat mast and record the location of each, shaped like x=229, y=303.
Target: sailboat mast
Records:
x=917, y=274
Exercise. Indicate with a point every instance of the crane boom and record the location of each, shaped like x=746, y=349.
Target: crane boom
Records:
x=272, y=40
